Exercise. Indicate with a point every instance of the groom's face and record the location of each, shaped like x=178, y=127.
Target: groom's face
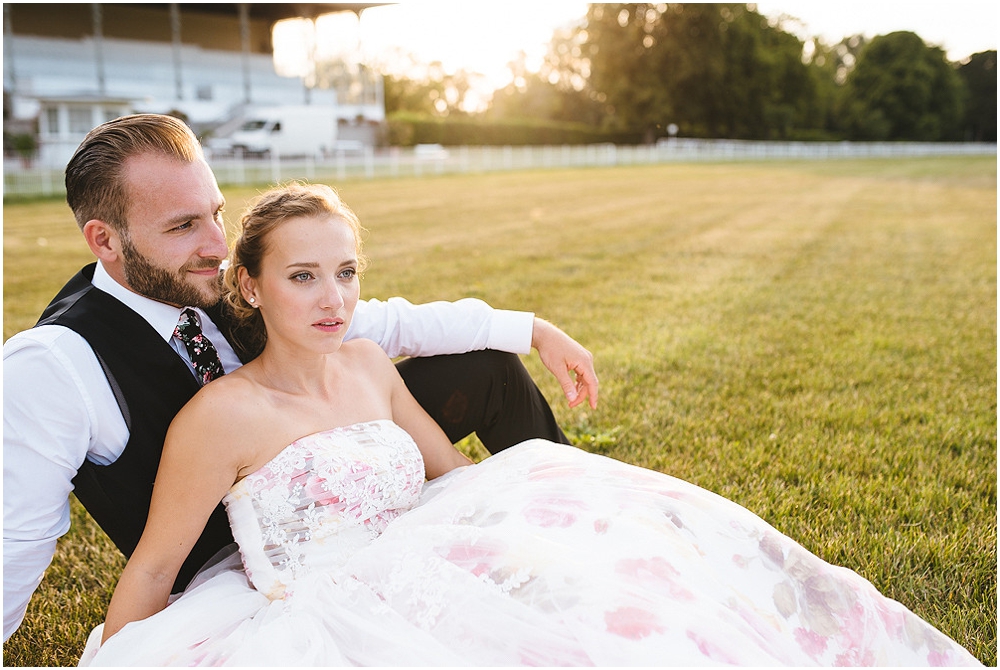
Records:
x=175, y=239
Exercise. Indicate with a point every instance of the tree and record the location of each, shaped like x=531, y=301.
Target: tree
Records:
x=617, y=47
x=769, y=87
x=432, y=91
x=902, y=89
x=557, y=92
x=714, y=69
x=980, y=76
x=829, y=67
x=24, y=144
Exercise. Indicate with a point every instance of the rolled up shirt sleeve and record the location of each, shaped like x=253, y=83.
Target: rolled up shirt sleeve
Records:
x=438, y=328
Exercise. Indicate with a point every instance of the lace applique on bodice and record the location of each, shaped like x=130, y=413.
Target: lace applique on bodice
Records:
x=321, y=499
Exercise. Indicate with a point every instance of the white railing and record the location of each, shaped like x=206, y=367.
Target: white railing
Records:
x=22, y=179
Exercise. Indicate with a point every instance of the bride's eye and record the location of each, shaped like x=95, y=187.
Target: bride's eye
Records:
x=302, y=277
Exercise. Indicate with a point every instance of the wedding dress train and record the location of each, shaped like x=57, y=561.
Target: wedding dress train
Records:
x=543, y=554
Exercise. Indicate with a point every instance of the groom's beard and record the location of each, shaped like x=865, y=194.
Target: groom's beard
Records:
x=165, y=286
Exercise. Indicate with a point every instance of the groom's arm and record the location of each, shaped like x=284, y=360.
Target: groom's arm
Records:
x=48, y=421
x=438, y=328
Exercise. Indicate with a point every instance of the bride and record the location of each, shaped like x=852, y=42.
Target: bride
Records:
x=540, y=555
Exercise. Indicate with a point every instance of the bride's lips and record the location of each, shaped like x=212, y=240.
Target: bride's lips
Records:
x=331, y=325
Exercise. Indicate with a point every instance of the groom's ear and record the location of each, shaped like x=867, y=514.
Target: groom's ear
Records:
x=103, y=240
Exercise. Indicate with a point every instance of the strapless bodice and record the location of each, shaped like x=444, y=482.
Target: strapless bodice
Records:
x=321, y=499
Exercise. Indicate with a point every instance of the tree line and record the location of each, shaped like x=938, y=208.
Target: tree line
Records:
x=636, y=72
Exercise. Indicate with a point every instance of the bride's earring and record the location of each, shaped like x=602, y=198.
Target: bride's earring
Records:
x=252, y=302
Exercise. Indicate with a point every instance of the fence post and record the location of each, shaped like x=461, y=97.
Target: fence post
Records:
x=275, y=166
x=341, y=168
x=370, y=161
x=463, y=164
x=241, y=175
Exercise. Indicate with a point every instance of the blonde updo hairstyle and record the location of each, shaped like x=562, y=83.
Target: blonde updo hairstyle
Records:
x=265, y=215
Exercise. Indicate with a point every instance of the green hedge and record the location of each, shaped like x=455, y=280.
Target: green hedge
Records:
x=407, y=129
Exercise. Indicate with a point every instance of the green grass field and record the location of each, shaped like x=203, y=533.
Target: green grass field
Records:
x=813, y=340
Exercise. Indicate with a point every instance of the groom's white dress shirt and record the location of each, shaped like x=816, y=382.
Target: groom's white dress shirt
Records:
x=58, y=408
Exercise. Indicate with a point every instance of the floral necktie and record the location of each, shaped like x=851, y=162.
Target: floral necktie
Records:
x=204, y=357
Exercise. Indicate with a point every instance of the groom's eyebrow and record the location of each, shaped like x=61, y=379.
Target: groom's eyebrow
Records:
x=178, y=217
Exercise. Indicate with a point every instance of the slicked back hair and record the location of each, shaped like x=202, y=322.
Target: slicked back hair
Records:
x=96, y=187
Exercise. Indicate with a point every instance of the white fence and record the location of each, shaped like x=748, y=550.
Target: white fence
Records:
x=425, y=160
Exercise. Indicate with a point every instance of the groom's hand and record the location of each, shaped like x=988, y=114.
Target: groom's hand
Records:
x=572, y=365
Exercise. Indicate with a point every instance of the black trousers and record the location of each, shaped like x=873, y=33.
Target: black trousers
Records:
x=489, y=393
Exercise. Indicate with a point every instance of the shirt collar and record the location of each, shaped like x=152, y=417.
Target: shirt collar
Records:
x=161, y=316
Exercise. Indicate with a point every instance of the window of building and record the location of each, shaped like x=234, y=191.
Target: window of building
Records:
x=80, y=120
x=203, y=92
x=51, y=121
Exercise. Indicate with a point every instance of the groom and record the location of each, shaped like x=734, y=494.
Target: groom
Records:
x=89, y=392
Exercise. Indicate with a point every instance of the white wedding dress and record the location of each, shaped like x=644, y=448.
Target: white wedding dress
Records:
x=541, y=555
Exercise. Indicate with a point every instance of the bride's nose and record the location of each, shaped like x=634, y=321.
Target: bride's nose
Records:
x=332, y=298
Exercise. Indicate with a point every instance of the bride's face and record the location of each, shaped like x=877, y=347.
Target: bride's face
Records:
x=308, y=285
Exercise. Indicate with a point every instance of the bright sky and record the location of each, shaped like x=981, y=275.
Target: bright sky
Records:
x=477, y=36
x=960, y=27
x=483, y=37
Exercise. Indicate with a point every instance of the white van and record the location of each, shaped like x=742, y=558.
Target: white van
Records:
x=286, y=131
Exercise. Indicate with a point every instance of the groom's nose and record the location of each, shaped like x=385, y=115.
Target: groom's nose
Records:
x=213, y=243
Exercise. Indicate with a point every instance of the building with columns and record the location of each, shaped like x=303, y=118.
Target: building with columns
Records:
x=71, y=66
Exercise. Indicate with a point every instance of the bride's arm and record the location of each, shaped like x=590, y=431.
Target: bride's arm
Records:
x=439, y=454
x=196, y=470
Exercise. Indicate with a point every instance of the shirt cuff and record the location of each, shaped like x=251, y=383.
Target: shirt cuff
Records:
x=511, y=331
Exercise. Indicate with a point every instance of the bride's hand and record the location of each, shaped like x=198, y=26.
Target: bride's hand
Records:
x=568, y=360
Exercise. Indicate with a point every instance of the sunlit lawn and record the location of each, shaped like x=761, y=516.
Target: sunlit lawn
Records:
x=816, y=341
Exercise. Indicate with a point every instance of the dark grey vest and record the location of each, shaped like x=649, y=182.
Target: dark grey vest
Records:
x=151, y=383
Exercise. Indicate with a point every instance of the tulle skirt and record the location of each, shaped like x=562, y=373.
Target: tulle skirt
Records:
x=547, y=555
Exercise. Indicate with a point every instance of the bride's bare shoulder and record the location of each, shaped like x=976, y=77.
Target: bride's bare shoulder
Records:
x=229, y=402
x=366, y=352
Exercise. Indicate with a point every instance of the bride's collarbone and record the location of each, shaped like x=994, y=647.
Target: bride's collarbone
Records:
x=340, y=405
x=273, y=416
